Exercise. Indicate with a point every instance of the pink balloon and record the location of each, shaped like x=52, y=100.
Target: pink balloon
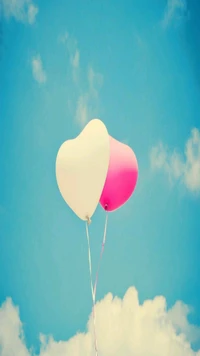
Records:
x=121, y=177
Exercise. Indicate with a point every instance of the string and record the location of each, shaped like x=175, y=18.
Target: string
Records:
x=92, y=290
x=101, y=255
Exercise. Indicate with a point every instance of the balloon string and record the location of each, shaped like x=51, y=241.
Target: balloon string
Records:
x=101, y=255
x=92, y=290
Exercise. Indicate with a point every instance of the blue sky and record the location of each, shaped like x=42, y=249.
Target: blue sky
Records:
x=134, y=65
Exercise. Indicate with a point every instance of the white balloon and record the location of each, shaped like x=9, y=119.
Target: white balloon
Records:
x=81, y=168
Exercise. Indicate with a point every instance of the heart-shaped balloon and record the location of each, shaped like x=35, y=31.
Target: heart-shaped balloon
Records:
x=121, y=177
x=81, y=168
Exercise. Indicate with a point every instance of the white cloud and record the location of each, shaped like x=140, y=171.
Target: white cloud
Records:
x=175, y=11
x=178, y=315
x=82, y=111
x=37, y=69
x=11, y=332
x=184, y=168
x=75, y=59
x=95, y=81
x=32, y=12
x=87, y=103
x=88, y=98
x=123, y=327
x=74, y=54
x=22, y=10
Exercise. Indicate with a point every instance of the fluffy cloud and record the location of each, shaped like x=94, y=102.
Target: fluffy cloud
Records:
x=175, y=10
x=22, y=10
x=124, y=327
x=184, y=168
x=37, y=69
x=11, y=332
x=88, y=99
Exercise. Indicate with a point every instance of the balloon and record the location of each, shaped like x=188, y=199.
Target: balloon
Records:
x=121, y=177
x=81, y=168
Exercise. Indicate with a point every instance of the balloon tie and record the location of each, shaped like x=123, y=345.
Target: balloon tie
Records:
x=88, y=220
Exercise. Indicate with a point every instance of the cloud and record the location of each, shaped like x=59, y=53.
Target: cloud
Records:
x=11, y=332
x=82, y=109
x=175, y=11
x=87, y=102
x=185, y=168
x=22, y=10
x=37, y=69
x=123, y=326
x=32, y=12
x=179, y=316
x=74, y=54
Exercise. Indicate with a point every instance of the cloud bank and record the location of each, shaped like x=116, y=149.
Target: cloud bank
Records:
x=124, y=327
x=183, y=167
x=21, y=10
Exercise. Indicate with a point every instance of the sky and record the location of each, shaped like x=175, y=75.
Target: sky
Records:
x=135, y=64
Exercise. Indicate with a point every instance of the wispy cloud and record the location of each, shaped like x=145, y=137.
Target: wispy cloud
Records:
x=22, y=10
x=38, y=70
x=123, y=326
x=175, y=11
x=185, y=168
x=74, y=54
x=87, y=102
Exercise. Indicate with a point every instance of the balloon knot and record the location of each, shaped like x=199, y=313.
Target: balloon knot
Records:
x=88, y=220
x=106, y=207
